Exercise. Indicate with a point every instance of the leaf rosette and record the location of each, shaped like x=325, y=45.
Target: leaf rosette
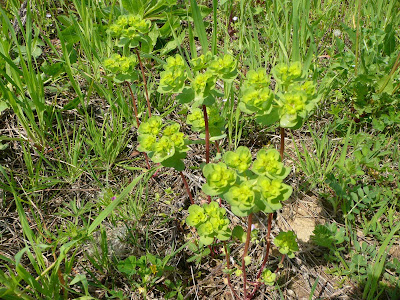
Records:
x=224, y=67
x=131, y=31
x=172, y=80
x=287, y=74
x=122, y=67
x=256, y=79
x=257, y=101
x=201, y=62
x=268, y=277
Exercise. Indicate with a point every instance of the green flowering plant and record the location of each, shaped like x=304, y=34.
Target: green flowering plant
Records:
x=219, y=178
x=269, y=163
x=167, y=145
x=201, y=62
x=172, y=79
x=296, y=104
x=268, y=277
x=248, y=190
x=210, y=221
x=239, y=160
x=224, y=67
x=287, y=74
x=273, y=192
x=291, y=102
x=132, y=30
x=286, y=243
x=242, y=198
x=216, y=123
x=122, y=67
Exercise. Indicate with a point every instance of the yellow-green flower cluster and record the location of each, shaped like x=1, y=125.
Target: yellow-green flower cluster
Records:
x=248, y=189
x=130, y=26
x=216, y=124
x=256, y=95
x=120, y=64
x=210, y=221
x=160, y=144
x=172, y=80
x=287, y=74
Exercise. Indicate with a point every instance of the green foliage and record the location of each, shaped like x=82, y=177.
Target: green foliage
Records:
x=216, y=124
x=248, y=191
x=122, y=67
x=268, y=163
x=239, y=160
x=268, y=277
x=173, y=78
x=294, y=98
x=219, y=178
x=210, y=222
x=167, y=147
x=286, y=243
x=328, y=236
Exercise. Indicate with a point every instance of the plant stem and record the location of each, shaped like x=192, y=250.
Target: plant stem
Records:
x=228, y=266
x=266, y=255
x=282, y=142
x=144, y=82
x=281, y=262
x=217, y=145
x=357, y=37
x=207, y=134
x=268, y=245
x=246, y=248
x=187, y=187
x=133, y=103
x=207, y=140
x=137, y=118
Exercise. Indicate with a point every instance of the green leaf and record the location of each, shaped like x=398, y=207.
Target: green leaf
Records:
x=134, y=6
x=199, y=25
x=128, y=266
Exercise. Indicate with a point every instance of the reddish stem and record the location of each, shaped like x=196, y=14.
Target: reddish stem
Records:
x=265, y=257
x=246, y=248
x=133, y=103
x=282, y=142
x=217, y=145
x=207, y=141
x=268, y=245
x=228, y=266
x=137, y=119
x=186, y=187
x=144, y=82
x=207, y=134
